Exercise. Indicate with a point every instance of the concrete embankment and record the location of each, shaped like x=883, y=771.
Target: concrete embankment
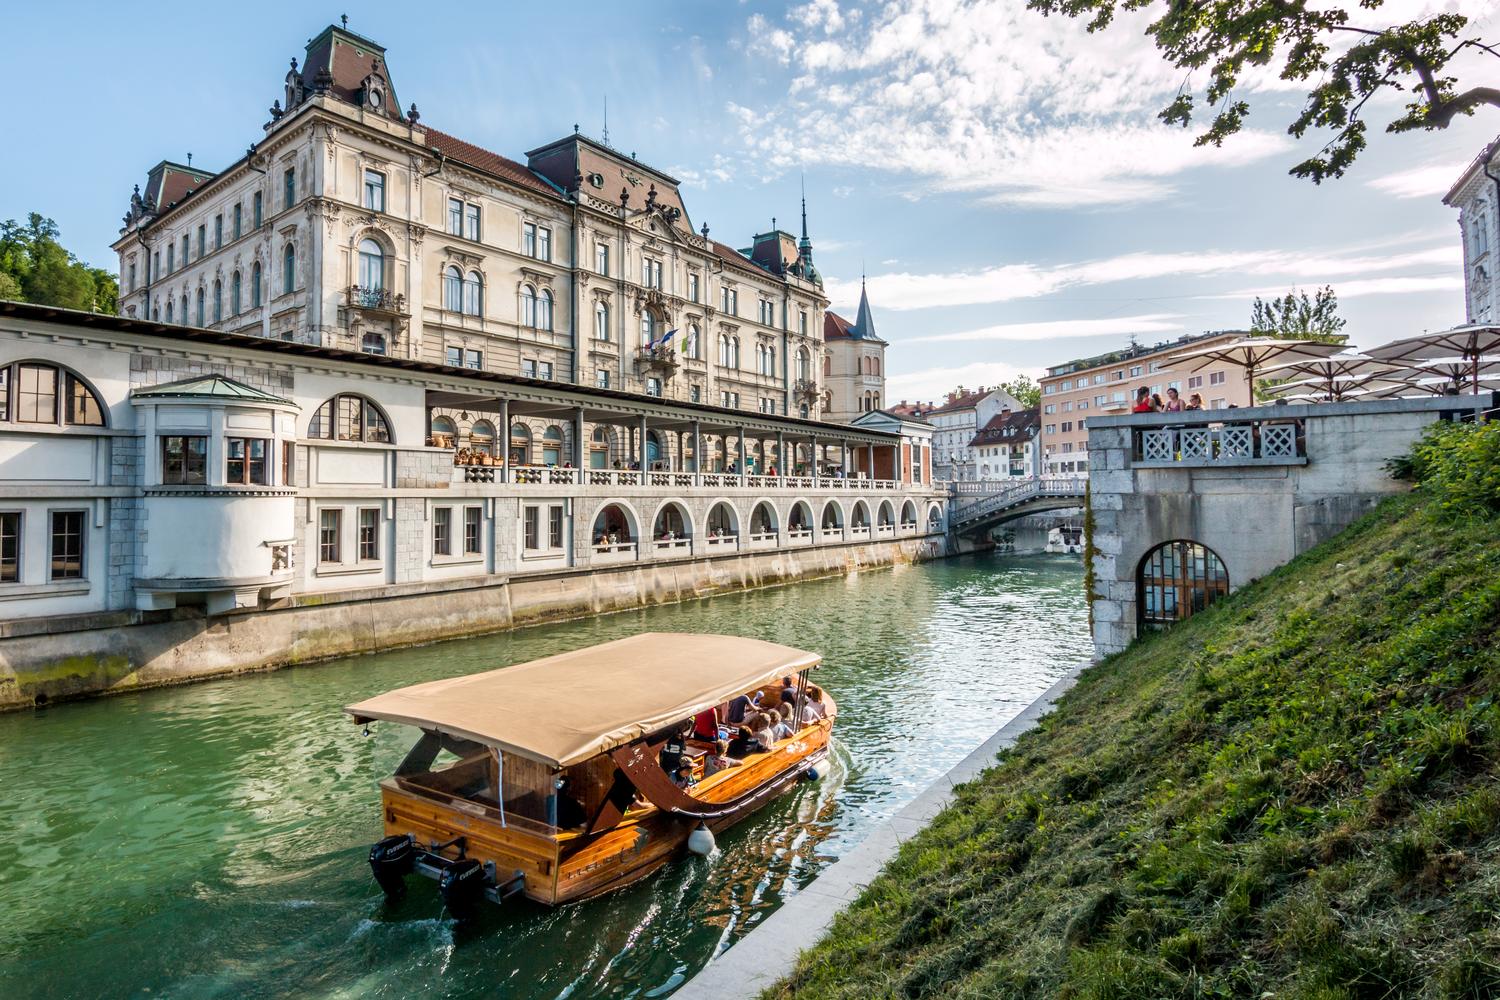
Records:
x=83, y=656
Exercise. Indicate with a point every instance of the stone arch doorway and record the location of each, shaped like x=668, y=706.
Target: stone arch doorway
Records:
x=1176, y=580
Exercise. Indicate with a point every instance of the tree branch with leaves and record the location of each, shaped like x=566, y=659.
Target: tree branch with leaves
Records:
x=1306, y=41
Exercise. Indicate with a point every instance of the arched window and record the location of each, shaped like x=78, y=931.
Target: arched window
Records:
x=255, y=285
x=734, y=352
x=520, y=444
x=42, y=393
x=552, y=442
x=218, y=300
x=544, y=310
x=601, y=321
x=599, y=448
x=474, y=294
x=288, y=270
x=198, y=299
x=760, y=358
x=875, y=401
x=482, y=437
x=770, y=361
x=528, y=306
x=184, y=313
x=443, y=431
x=373, y=342
x=169, y=310
x=875, y=364
x=234, y=294
x=348, y=417
x=453, y=289
x=724, y=350
x=804, y=365
x=909, y=514
x=827, y=366
x=1177, y=580
x=371, y=266
x=692, y=350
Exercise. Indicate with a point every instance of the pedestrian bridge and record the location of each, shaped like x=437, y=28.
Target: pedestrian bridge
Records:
x=978, y=508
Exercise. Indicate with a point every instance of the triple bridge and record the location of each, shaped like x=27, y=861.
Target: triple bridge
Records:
x=977, y=508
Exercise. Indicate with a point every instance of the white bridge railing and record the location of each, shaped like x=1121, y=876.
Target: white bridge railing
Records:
x=1219, y=442
x=1010, y=496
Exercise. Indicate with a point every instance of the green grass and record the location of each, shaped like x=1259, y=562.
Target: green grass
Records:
x=1294, y=794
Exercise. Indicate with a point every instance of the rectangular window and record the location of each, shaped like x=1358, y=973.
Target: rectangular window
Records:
x=530, y=528
x=218, y=231
x=156, y=265
x=171, y=248
x=239, y=221
x=602, y=378
x=528, y=239
x=528, y=367
x=369, y=534
x=729, y=298
x=693, y=287
x=287, y=448
x=650, y=272
x=1195, y=381
x=544, y=369
x=555, y=527
x=455, y=356
x=36, y=394
x=696, y=394
x=1219, y=404
x=601, y=258
x=802, y=322
x=1135, y=371
x=1050, y=408
x=1215, y=378
x=202, y=244
x=256, y=213
x=442, y=531
x=374, y=191
x=1067, y=426
x=455, y=217
x=472, y=229
x=245, y=461
x=330, y=532
x=67, y=545
x=1066, y=386
x=10, y=547
x=473, y=530
x=1049, y=390
x=653, y=386
x=289, y=187
x=184, y=460
x=185, y=247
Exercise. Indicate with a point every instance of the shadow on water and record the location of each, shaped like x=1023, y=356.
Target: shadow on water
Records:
x=209, y=841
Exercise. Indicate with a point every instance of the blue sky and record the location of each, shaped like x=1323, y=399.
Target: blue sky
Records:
x=1000, y=176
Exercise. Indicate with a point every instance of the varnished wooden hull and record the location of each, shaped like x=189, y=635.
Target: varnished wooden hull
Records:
x=568, y=867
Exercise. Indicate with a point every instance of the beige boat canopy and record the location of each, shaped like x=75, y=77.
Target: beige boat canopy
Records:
x=564, y=709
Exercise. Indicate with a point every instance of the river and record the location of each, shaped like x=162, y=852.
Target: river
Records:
x=209, y=841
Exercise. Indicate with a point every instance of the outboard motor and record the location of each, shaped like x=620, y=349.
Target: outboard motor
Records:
x=462, y=887
x=391, y=860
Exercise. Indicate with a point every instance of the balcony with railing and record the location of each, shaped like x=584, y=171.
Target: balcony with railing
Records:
x=377, y=300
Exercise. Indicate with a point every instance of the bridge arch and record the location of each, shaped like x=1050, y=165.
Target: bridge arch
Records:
x=909, y=515
x=831, y=521
x=617, y=518
x=764, y=519
x=935, y=517
x=1176, y=580
x=800, y=516
x=860, y=518
x=886, y=517
x=672, y=520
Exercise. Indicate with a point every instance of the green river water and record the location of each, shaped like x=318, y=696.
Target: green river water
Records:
x=210, y=840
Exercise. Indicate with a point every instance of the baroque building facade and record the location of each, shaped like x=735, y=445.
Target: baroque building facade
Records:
x=353, y=224
x=1476, y=195
x=854, y=363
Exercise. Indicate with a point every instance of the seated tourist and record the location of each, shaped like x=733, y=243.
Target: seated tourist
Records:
x=743, y=745
x=788, y=691
x=781, y=726
x=759, y=725
x=673, y=749
x=720, y=760
x=812, y=707
x=683, y=776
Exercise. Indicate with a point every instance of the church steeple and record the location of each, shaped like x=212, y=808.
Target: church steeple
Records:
x=805, y=249
x=864, y=322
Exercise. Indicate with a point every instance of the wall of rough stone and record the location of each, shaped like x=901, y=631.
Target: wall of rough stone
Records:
x=124, y=651
x=1255, y=518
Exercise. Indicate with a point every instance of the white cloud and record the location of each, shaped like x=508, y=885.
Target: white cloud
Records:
x=1419, y=182
x=1061, y=328
x=1359, y=287
x=1010, y=282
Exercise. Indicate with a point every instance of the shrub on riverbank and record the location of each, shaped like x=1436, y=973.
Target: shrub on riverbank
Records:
x=1293, y=794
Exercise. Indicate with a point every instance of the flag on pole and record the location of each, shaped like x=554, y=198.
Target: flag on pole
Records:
x=666, y=338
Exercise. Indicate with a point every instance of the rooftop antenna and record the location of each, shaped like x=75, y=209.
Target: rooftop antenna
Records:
x=190, y=159
x=606, y=119
x=344, y=21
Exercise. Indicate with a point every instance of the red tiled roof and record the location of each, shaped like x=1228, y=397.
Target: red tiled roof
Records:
x=835, y=327
x=491, y=163
x=733, y=256
x=967, y=401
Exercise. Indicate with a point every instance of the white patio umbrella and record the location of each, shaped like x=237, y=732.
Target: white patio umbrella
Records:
x=1337, y=376
x=1473, y=343
x=1330, y=388
x=1251, y=353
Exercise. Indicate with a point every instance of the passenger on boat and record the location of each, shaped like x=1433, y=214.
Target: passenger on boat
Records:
x=788, y=691
x=782, y=728
x=740, y=707
x=759, y=725
x=812, y=708
x=673, y=749
x=720, y=760
x=744, y=744
x=706, y=725
x=683, y=776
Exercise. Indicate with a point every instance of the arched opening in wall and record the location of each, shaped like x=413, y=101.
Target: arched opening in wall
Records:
x=348, y=417
x=799, y=521
x=909, y=514
x=655, y=452
x=861, y=516
x=520, y=444
x=887, y=515
x=935, y=518
x=38, y=392
x=443, y=432
x=371, y=270
x=613, y=527
x=671, y=523
x=482, y=437
x=763, y=520
x=833, y=517
x=599, y=448
x=1176, y=580
x=552, y=443
x=722, y=521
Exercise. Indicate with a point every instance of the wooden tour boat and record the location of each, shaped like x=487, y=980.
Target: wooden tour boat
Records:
x=555, y=785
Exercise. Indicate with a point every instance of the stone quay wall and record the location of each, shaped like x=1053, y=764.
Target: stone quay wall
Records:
x=1157, y=478
x=89, y=655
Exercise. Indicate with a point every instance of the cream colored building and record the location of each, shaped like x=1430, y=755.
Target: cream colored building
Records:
x=353, y=224
x=1071, y=393
x=1476, y=195
x=853, y=363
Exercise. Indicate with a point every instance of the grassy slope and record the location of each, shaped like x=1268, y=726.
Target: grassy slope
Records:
x=1295, y=794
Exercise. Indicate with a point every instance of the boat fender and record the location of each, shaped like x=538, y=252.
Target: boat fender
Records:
x=815, y=771
x=391, y=861
x=462, y=886
x=701, y=840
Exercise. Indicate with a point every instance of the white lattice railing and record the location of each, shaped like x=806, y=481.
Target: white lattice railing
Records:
x=1256, y=442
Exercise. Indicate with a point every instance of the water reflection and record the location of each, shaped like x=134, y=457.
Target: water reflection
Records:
x=209, y=841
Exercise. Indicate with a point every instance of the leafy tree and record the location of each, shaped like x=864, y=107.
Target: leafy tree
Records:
x=1027, y=392
x=1295, y=316
x=35, y=267
x=1306, y=40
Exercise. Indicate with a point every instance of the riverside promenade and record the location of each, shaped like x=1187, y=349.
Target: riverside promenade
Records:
x=765, y=955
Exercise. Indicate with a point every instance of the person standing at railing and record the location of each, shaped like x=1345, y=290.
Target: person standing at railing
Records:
x=1195, y=402
x=1142, y=401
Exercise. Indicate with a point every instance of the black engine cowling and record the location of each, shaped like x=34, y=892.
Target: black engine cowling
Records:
x=462, y=887
x=391, y=861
